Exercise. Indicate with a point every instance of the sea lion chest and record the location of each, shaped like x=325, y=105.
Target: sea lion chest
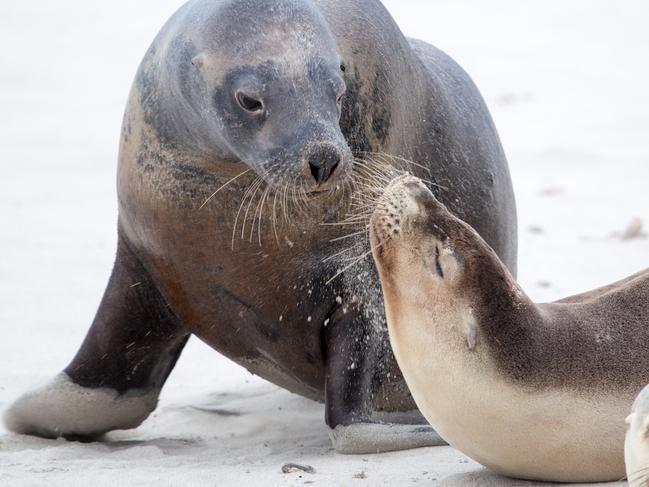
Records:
x=245, y=275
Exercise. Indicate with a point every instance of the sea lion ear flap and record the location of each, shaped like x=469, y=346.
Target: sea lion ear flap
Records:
x=199, y=60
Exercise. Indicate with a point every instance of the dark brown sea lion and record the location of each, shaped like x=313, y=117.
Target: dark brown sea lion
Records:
x=247, y=135
x=535, y=391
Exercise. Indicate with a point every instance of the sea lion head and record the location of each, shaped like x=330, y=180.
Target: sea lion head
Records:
x=636, y=445
x=268, y=82
x=415, y=241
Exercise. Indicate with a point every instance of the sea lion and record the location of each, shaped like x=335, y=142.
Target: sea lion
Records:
x=248, y=133
x=534, y=391
x=636, y=443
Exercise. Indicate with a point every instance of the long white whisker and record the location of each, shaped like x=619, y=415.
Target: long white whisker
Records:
x=354, y=263
x=347, y=236
x=223, y=186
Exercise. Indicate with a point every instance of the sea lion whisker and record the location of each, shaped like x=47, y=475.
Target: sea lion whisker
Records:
x=339, y=224
x=356, y=220
x=254, y=218
x=368, y=193
x=275, y=217
x=364, y=203
x=260, y=211
x=375, y=177
x=360, y=207
x=250, y=200
x=364, y=175
x=302, y=194
x=396, y=172
x=346, y=236
x=385, y=168
x=264, y=198
x=432, y=183
x=339, y=253
x=285, y=201
x=368, y=182
x=372, y=170
x=296, y=195
x=360, y=212
x=259, y=214
x=243, y=201
x=383, y=173
x=359, y=259
x=364, y=196
x=285, y=197
x=374, y=163
x=401, y=159
x=223, y=186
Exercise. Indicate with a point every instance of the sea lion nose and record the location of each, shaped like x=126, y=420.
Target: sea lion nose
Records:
x=323, y=161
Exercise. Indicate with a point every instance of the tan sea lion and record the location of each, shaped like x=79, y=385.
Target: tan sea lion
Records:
x=534, y=391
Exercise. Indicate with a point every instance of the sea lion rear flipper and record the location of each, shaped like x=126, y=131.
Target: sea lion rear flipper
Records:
x=365, y=395
x=115, y=379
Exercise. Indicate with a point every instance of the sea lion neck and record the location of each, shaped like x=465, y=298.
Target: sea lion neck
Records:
x=500, y=306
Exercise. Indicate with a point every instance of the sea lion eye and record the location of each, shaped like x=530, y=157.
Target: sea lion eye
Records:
x=249, y=103
x=343, y=68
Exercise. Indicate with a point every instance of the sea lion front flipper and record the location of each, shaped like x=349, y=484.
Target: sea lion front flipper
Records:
x=114, y=380
x=361, y=390
x=360, y=438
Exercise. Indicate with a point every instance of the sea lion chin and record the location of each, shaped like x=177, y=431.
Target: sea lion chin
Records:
x=534, y=391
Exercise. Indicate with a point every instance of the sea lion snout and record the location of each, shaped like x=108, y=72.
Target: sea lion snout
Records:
x=405, y=201
x=408, y=228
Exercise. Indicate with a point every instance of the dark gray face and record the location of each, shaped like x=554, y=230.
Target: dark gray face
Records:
x=286, y=126
x=274, y=91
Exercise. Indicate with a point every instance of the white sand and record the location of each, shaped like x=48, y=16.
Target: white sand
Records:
x=567, y=85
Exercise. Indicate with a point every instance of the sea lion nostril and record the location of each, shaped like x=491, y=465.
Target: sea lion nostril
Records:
x=323, y=162
x=334, y=167
x=315, y=171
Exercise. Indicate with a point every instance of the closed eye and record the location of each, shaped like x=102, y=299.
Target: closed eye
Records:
x=438, y=266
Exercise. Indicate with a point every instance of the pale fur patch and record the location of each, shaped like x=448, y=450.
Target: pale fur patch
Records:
x=62, y=408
